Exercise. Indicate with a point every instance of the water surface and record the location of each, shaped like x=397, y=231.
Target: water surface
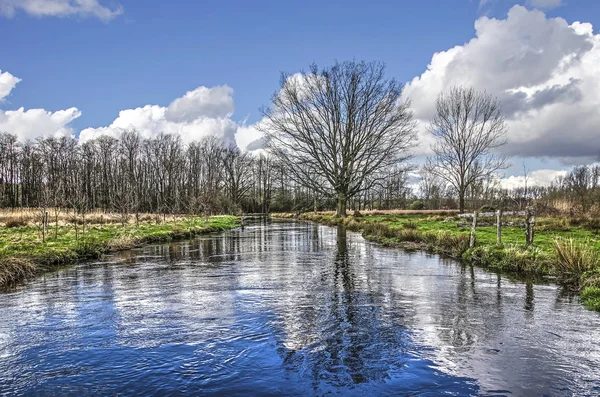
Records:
x=292, y=309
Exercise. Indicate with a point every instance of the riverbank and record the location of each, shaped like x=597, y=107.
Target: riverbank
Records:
x=26, y=251
x=565, y=250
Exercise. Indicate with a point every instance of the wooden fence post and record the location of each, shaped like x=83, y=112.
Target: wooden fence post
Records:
x=529, y=226
x=472, y=241
x=499, y=227
x=45, y=222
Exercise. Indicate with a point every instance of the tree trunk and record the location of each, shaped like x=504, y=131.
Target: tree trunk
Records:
x=461, y=201
x=341, y=206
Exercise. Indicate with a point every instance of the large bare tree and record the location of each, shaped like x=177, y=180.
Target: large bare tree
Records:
x=467, y=127
x=335, y=129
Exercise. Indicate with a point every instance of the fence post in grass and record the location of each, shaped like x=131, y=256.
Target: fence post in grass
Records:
x=45, y=222
x=472, y=241
x=529, y=226
x=499, y=227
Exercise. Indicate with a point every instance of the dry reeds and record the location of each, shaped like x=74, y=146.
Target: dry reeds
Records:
x=574, y=257
x=13, y=270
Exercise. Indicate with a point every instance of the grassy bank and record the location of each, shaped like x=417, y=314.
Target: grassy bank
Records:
x=564, y=249
x=24, y=253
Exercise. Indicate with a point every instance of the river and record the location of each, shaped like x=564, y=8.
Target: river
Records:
x=288, y=308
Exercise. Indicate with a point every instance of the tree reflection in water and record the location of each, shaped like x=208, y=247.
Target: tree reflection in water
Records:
x=353, y=341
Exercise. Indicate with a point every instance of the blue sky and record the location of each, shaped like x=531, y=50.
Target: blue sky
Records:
x=153, y=52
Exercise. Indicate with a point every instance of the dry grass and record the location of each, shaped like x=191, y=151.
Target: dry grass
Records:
x=13, y=270
x=33, y=217
x=122, y=242
x=574, y=257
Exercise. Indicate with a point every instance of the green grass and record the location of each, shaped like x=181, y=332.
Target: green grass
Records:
x=567, y=249
x=590, y=296
x=545, y=232
x=21, y=246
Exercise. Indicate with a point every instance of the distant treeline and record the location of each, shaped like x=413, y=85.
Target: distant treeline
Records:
x=158, y=175
x=163, y=175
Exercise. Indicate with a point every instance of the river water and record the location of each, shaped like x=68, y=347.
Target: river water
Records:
x=292, y=309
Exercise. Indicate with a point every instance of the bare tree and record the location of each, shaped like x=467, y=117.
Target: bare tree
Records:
x=467, y=126
x=343, y=124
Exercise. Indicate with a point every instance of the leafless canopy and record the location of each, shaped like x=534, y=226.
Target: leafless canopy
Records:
x=338, y=128
x=467, y=126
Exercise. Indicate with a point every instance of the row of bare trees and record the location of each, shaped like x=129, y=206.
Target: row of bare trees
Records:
x=132, y=175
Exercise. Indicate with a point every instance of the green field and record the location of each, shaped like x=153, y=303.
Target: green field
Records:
x=23, y=253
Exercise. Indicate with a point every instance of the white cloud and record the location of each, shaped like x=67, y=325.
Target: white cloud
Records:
x=249, y=137
x=534, y=178
x=59, y=8
x=216, y=102
x=33, y=123
x=199, y=113
x=7, y=83
x=545, y=72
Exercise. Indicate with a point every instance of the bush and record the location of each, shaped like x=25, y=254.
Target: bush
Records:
x=411, y=225
x=577, y=221
x=410, y=235
x=378, y=230
x=593, y=225
x=554, y=225
x=15, y=223
x=574, y=257
x=452, y=244
x=417, y=205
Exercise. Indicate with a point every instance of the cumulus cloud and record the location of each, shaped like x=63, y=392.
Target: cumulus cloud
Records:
x=32, y=123
x=7, y=83
x=534, y=178
x=216, y=102
x=59, y=8
x=199, y=113
x=545, y=72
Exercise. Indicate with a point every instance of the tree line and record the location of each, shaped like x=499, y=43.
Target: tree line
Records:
x=162, y=175
x=337, y=137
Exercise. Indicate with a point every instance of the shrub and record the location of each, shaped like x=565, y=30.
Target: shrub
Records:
x=417, y=205
x=577, y=221
x=122, y=242
x=410, y=235
x=554, y=225
x=15, y=223
x=379, y=230
x=411, y=225
x=574, y=257
x=593, y=225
